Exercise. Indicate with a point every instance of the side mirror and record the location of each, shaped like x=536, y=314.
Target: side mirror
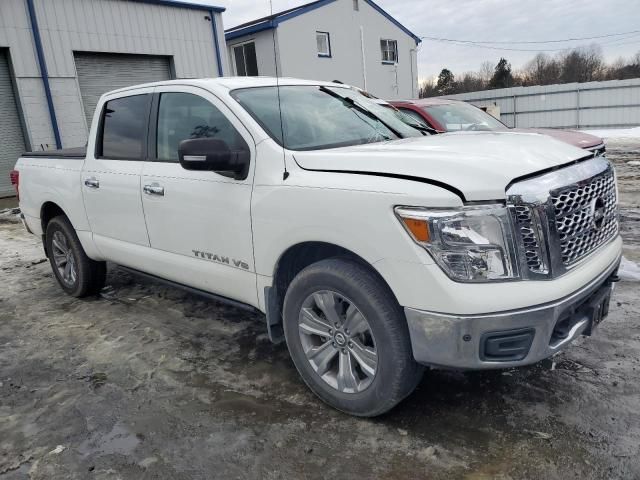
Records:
x=212, y=154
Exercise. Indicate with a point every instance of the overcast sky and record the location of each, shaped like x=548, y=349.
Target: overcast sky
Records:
x=489, y=20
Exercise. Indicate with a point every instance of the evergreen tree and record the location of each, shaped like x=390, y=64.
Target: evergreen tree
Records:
x=502, y=76
x=446, y=82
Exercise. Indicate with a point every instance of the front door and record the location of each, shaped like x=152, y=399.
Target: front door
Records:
x=199, y=220
x=111, y=175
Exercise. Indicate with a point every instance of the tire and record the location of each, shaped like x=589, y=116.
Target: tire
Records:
x=77, y=274
x=365, y=385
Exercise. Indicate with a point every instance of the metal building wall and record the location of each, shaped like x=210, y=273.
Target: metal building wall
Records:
x=109, y=26
x=610, y=104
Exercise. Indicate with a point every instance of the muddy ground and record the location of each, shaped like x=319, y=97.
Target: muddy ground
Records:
x=147, y=382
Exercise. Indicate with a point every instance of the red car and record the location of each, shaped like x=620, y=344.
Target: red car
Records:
x=447, y=115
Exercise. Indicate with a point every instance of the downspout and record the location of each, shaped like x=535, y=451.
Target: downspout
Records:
x=44, y=73
x=364, y=63
x=215, y=42
x=412, y=52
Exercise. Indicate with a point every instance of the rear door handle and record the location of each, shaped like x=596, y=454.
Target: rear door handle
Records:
x=153, y=189
x=92, y=183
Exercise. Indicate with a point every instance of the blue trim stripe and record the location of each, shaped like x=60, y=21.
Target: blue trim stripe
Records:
x=394, y=21
x=180, y=4
x=215, y=43
x=301, y=11
x=249, y=30
x=273, y=23
x=44, y=73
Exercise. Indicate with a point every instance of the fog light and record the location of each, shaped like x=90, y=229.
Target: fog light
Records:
x=506, y=346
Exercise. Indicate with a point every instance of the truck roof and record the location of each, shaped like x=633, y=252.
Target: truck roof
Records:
x=230, y=83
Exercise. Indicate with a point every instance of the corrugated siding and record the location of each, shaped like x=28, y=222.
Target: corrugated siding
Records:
x=99, y=73
x=107, y=26
x=11, y=138
x=614, y=103
x=118, y=26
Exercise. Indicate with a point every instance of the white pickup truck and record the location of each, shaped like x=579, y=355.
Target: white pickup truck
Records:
x=372, y=248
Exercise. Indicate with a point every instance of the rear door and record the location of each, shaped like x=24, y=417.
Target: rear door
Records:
x=199, y=220
x=111, y=174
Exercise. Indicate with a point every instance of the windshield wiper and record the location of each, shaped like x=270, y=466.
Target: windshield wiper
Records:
x=352, y=104
x=423, y=128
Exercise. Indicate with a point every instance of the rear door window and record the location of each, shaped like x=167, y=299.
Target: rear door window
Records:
x=124, y=128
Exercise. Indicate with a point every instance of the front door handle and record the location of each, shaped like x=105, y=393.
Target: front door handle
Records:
x=92, y=183
x=153, y=189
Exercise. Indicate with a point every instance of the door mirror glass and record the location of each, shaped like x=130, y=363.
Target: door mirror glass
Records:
x=214, y=155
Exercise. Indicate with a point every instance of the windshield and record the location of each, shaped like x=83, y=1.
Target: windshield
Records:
x=317, y=117
x=462, y=116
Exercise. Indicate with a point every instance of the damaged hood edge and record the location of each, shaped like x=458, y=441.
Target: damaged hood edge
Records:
x=476, y=166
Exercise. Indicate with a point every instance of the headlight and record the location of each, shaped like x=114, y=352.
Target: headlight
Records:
x=471, y=244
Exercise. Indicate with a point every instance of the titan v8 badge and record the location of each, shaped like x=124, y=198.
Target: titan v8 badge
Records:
x=212, y=257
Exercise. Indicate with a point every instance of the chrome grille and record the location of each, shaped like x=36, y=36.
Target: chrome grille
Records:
x=575, y=209
x=564, y=215
x=533, y=254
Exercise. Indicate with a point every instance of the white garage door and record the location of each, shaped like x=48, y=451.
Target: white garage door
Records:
x=99, y=73
x=12, y=143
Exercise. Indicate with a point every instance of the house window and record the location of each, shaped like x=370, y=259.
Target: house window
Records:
x=324, y=44
x=389, y=50
x=245, y=60
x=356, y=7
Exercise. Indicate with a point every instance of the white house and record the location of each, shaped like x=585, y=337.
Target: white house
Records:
x=354, y=41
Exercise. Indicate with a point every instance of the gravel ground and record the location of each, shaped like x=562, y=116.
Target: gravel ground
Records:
x=148, y=382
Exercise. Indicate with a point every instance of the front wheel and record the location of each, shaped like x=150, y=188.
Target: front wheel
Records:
x=348, y=338
x=76, y=273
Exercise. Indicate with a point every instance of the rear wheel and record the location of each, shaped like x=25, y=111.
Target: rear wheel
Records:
x=348, y=338
x=76, y=273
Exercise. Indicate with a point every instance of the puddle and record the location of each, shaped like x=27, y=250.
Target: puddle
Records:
x=118, y=441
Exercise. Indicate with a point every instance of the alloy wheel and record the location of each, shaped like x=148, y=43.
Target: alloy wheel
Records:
x=337, y=341
x=63, y=258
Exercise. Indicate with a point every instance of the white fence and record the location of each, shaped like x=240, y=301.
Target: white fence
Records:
x=610, y=104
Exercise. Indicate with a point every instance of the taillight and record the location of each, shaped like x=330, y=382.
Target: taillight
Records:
x=14, y=175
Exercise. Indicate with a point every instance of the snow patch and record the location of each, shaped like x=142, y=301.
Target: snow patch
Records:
x=629, y=271
x=615, y=132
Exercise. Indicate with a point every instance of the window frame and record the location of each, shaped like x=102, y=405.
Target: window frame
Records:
x=388, y=41
x=243, y=131
x=328, y=37
x=242, y=45
x=99, y=142
x=152, y=142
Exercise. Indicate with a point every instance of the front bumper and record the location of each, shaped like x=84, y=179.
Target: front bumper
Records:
x=458, y=341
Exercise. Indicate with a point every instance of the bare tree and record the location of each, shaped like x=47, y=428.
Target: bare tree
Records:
x=541, y=70
x=428, y=88
x=622, y=69
x=470, y=82
x=485, y=74
x=582, y=64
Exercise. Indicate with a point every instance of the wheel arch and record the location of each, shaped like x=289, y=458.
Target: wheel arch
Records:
x=49, y=210
x=291, y=262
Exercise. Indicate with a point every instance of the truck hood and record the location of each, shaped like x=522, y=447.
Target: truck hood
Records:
x=475, y=165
